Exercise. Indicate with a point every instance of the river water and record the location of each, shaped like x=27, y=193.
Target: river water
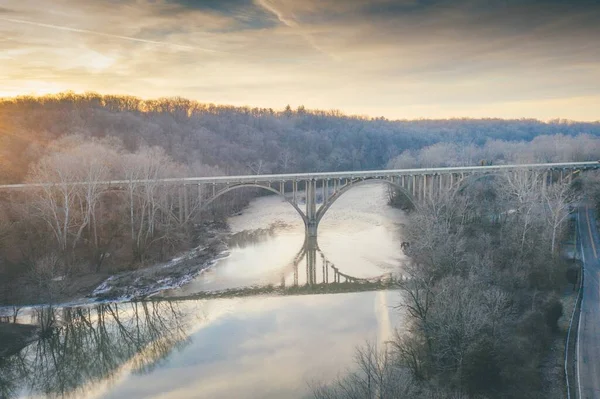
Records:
x=233, y=347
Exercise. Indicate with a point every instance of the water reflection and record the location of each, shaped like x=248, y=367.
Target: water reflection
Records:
x=319, y=269
x=132, y=350
x=246, y=238
x=309, y=272
x=251, y=347
x=84, y=346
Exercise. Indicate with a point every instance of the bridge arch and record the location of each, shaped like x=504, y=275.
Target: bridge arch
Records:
x=323, y=209
x=254, y=185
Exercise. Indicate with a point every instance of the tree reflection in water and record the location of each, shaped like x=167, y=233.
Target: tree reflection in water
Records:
x=87, y=345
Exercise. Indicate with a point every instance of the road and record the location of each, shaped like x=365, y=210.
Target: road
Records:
x=588, y=348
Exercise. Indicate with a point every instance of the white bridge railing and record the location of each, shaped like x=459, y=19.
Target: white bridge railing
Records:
x=337, y=175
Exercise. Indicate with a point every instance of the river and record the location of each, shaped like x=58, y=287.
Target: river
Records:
x=236, y=347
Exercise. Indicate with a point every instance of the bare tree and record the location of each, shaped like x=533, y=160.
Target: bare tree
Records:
x=71, y=189
x=379, y=376
x=56, y=199
x=151, y=204
x=522, y=192
x=558, y=198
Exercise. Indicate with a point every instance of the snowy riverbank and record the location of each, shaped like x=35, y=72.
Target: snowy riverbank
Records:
x=154, y=279
x=140, y=283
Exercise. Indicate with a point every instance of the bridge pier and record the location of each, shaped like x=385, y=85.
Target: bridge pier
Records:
x=311, y=208
x=311, y=228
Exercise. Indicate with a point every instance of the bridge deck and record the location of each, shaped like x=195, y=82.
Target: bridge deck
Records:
x=339, y=175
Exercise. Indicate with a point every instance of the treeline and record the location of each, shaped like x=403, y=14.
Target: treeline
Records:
x=481, y=301
x=541, y=149
x=241, y=139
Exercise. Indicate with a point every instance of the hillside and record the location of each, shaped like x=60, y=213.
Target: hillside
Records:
x=219, y=139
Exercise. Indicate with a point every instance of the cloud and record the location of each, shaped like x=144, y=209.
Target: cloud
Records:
x=403, y=57
x=91, y=32
x=289, y=21
x=244, y=13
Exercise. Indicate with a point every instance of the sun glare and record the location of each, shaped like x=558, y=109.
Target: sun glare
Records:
x=36, y=88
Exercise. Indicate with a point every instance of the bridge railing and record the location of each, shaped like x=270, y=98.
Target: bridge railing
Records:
x=329, y=175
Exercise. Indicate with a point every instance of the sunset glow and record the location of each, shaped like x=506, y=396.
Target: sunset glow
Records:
x=399, y=59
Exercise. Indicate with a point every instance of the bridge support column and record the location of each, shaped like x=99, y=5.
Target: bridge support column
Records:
x=186, y=202
x=181, y=204
x=311, y=208
x=294, y=190
x=200, y=196
x=431, y=184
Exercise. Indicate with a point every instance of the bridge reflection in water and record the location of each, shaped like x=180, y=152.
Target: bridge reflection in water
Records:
x=89, y=349
x=309, y=272
x=319, y=269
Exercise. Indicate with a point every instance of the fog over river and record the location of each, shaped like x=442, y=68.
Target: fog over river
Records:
x=241, y=347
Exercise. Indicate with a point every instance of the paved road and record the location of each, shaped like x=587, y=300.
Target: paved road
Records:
x=588, y=349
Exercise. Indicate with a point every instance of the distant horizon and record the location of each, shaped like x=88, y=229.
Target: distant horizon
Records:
x=401, y=59
x=294, y=108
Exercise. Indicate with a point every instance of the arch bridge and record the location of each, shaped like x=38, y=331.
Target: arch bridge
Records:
x=312, y=194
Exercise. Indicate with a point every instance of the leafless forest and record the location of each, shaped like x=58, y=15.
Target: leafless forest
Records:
x=67, y=230
x=482, y=292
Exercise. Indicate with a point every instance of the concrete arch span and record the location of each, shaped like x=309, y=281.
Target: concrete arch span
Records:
x=325, y=207
x=253, y=185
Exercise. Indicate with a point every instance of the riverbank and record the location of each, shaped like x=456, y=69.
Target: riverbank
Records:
x=145, y=282
x=133, y=284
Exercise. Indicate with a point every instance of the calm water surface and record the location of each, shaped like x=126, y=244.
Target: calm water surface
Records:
x=250, y=347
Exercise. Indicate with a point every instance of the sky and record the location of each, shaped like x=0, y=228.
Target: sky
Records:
x=400, y=59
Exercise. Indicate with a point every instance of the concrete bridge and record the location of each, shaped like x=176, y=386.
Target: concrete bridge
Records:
x=312, y=194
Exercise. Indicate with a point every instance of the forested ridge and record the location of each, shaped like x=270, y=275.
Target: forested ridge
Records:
x=218, y=139
x=482, y=297
x=55, y=232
